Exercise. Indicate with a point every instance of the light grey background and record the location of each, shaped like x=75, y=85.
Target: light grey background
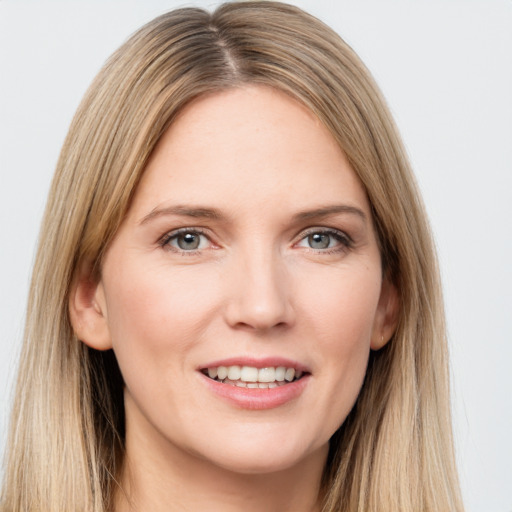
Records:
x=445, y=67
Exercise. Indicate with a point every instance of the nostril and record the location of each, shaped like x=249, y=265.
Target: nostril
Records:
x=244, y=314
x=260, y=327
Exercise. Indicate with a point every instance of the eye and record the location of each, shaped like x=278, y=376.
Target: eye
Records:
x=185, y=240
x=321, y=240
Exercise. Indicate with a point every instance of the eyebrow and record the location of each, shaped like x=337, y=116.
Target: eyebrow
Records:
x=183, y=211
x=319, y=213
x=213, y=213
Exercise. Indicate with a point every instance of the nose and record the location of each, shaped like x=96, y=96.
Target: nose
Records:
x=259, y=293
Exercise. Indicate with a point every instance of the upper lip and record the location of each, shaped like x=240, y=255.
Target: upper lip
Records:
x=257, y=362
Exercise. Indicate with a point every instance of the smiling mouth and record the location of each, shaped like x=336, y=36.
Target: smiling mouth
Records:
x=252, y=377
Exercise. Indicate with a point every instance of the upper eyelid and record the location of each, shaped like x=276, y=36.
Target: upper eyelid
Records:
x=323, y=229
x=187, y=229
x=169, y=235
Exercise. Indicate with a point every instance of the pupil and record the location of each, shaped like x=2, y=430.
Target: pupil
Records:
x=188, y=241
x=319, y=241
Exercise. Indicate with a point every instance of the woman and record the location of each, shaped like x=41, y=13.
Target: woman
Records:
x=235, y=303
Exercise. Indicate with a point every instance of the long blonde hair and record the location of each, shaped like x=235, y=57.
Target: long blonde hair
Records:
x=394, y=452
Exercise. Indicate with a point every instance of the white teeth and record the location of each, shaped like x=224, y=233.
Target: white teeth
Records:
x=234, y=372
x=266, y=375
x=222, y=372
x=249, y=374
x=280, y=373
x=251, y=377
x=290, y=374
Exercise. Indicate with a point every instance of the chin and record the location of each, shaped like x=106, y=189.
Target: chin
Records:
x=259, y=466
x=259, y=458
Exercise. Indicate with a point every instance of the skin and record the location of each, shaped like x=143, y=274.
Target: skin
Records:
x=254, y=288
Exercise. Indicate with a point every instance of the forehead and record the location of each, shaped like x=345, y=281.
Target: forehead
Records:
x=250, y=146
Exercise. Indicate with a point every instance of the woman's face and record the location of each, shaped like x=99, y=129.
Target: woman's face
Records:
x=249, y=250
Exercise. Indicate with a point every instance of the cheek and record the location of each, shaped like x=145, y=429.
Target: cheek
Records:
x=153, y=313
x=342, y=320
x=342, y=306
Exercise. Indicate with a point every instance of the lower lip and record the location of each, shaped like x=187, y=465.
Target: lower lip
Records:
x=256, y=398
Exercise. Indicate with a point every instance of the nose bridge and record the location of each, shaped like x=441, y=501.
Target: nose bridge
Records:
x=259, y=297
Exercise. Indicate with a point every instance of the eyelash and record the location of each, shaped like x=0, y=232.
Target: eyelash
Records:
x=164, y=242
x=345, y=242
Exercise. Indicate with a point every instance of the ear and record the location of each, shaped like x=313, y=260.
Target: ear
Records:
x=88, y=310
x=386, y=317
